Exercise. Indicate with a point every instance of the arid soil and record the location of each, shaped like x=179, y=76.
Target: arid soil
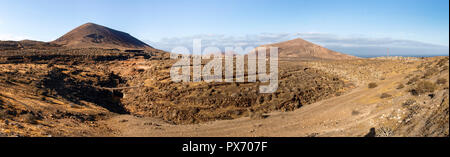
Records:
x=187, y=103
x=60, y=93
x=106, y=93
x=96, y=81
x=363, y=111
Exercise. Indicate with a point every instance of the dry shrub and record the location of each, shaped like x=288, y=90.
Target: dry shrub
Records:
x=442, y=62
x=430, y=72
x=354, y=113
x=409, y=102
x=4, y=114
x=385, y=95
x=384, y=132
x=423, y=87
x=444, y=68
x=413, y=80
x=400, y=86
x=408, y=76
x=441, y=81
x=30, y=118
x=373, y=85
x=257, y=115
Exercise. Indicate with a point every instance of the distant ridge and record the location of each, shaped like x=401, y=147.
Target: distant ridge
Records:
x=92, y=35
x=26, y=44
x=302, y=49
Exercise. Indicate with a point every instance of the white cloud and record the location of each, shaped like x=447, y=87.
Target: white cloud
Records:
x=355, y=45
x=13, y=37
x=221, y=41
x=331, y=40
x=366, y=46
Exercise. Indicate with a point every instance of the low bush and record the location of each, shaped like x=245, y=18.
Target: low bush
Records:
x=373, y=85
x=400, y=86
x=385, y=95
x=409, y=102
x=423, y=87
x=441, y=81
x=430, y=72
x=354, y=113
x=30, y=118
x=413, y=80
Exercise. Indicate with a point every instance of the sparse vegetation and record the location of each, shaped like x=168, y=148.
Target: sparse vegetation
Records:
x=445, y=68
x=30, y=118
x=384, y=132
x=63, y=88
x=373, y=85
x=400, y=86
x=430, y=72
x=413, y=80
x=257, y=115
x=354, y=113
x=4, y=114
x=442, y=62
x=409, y=102
x=441, y=81
x=423, y=87
x=385, y=95
x=408, y=76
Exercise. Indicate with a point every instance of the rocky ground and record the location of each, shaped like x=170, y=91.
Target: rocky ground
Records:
x=187, y=103
x=60, y=93
x=413, y=92
x=103, y=93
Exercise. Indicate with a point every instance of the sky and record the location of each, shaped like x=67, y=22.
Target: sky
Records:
x=357, y=27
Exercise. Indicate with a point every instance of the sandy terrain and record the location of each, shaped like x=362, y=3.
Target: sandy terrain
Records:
x=96, y=81
x=351, y=114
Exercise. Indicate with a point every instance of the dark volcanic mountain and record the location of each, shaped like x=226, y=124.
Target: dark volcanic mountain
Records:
x=92, y=35
x=302, y=49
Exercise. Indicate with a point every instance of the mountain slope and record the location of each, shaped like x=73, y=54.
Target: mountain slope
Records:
x=92, y=35
x=26, y=44
x=302, y=49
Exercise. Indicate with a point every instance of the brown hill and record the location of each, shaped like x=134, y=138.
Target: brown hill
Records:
x=91, y=35
x=302, y=49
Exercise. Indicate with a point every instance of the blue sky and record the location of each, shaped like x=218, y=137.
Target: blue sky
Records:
x=359, y=27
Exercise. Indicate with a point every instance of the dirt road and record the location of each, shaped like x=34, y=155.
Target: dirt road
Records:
x=351, y=114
